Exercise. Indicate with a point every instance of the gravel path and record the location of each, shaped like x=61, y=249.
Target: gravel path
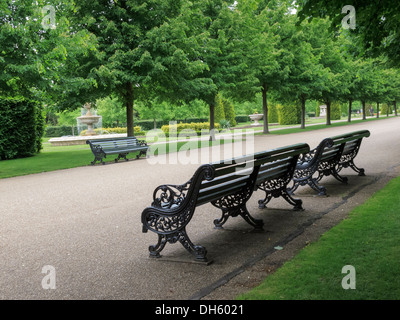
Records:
x=83, y=225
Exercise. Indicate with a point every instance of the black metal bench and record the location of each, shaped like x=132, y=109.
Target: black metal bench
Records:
x=227, y=185
x=329, y=158
x=121, y=146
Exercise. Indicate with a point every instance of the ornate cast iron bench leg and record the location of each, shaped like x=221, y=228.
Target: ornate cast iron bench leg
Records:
x=243, y=212
x=335, y=172
x=269, y=194
x=98, y=157
x=121, y=155
x=296, y=203
x=360, y=171
x=314, y=185
x=199, y=252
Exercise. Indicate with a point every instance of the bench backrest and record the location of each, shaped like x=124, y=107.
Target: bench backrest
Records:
x=242, y=174
x=116, y=144
x=344, y=144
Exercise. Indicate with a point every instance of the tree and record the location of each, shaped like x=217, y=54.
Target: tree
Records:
x=307, y=76
x=365, y=83
x=393, y=84
x=32, y=54
x=377, y=24
x=265, y=28
x=145, y=48
x=331, y=59
x=223, y=52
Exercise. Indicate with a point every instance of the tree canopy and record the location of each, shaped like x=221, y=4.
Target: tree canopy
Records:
x=162, y=57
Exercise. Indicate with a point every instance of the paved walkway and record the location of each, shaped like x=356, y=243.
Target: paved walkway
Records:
x=85, y=224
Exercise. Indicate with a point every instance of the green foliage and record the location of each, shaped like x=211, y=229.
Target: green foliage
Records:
x=289, y=113
x=224, y=110
x=197, y=127
x=137, y=131
x=386, y=109
x=317, y=110
x=68, y=118
x=21, y=127
x=242, y=118
x=376, y=25
x=112, y=111
x=219, y=109
x=59, y=131
x=230, y=114
x=273, y=114
x=224, y=124
x=336, y=110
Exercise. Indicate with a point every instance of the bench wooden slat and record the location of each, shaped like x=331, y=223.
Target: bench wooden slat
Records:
x=227, y=185
x=329, y=158
x=121, y=146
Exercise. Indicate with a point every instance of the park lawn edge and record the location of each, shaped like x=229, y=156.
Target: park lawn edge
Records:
x=368, y=240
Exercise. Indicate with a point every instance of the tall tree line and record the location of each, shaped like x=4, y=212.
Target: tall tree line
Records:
x=180, y=50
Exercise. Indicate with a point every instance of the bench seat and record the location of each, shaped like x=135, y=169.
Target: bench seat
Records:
x=227, y=185
x=329, y=158
x=121, y=146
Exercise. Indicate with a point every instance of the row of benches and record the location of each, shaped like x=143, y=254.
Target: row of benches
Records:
x=229, y=184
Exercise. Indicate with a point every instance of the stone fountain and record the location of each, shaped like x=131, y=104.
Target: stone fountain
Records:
x=89, y=119
x=256, y=117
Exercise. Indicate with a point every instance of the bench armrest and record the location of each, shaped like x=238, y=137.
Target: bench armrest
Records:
x=142, y=143
x=313, y=157
x=96, y=149
x=167, y=196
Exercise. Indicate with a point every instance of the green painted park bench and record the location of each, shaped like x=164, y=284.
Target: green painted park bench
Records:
x=101, y=148
x=329, y=158
x=227, y=185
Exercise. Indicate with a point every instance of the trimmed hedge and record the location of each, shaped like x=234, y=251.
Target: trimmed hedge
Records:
x=59, y=131
x=289, y=114
x=21, y=127
x=137, y=131
x=386, y=109
x=192, y=126
x=273, y=114
x=336, y=111
x=242, y=118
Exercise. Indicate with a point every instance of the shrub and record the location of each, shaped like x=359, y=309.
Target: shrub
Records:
x=336, y=111
x=230, y=114
x=289, y=114
x=273, y=116
x=225, y=124
x=137, y=131
x=59, y=131
x=21, y=127
x=385, y=109
x=177, y=128
x=219, y=112
x=242, y=118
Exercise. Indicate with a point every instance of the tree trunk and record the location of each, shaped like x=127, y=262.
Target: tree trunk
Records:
x=377, y=110
x=363, y=110
x=349, y=116
x=265, y=108
x=212, y=120
x=129, y=109
x=328, y=113
x=303, y=113
x=395, y=108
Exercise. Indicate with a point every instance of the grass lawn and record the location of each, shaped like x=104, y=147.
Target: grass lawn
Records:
x=55, y=158
x=369, y=240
